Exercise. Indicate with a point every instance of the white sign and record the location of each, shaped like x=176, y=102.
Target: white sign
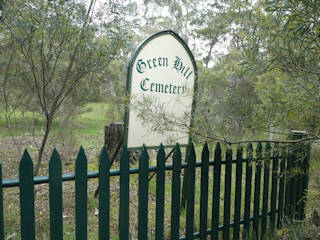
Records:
x=161, y=79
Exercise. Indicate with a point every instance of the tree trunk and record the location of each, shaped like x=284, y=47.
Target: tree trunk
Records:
x=209, y=54
x=43, y=143
x=113, y=133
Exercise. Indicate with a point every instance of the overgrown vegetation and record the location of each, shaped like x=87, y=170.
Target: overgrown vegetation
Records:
x=63, y=73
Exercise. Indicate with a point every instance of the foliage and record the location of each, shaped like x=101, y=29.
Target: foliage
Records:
x=226, y=100
x=282, y=43
x=53, y=48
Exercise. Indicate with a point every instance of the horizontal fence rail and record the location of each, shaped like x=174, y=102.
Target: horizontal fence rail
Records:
x=248, y=196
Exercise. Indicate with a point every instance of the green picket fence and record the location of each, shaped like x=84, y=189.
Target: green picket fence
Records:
x=266, y=190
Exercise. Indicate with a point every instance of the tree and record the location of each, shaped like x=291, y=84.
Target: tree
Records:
x=282, y=43
x=59, y=44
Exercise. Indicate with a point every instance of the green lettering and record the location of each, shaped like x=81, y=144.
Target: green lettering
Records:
x=177, y=64
x=148, y=61
x=182, y=69
x=141, y=66
x=170, y=88
x=154, y=62
x=166, y=88
x=183, y=90
x=189, y=75
x=151, y=86
x=143, y=84
x=174, y=89
x=159, y=61
x=165, y=62
x=186, y=72
x=159, y=87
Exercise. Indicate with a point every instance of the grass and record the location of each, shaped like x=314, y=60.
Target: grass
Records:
x=91, y=121
x=88, y=130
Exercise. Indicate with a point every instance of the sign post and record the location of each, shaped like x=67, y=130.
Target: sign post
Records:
x=162, y=74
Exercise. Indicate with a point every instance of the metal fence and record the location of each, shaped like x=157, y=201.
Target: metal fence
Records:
x=265, y=191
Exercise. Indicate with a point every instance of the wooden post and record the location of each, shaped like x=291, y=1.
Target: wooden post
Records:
x=113, y=135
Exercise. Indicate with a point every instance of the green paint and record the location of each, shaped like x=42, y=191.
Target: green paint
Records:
x=175, y=194
x=216, y=193
x=237, y=201
x=55, y=194
x=266, y=179
x=81, y=195
x=143, y=194
x=282, y=180
x=274, y=188
x=160, y=193
x=26, y=197
x=55, y=178
x=227, y=196
x=1, y=205
x=257, y=185
x=190, y=195
x=124, y=195
x=204, y=192
x=104, y=194
x=247, y=201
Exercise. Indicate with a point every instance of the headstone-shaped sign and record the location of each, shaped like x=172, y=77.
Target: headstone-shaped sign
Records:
x=161, y=80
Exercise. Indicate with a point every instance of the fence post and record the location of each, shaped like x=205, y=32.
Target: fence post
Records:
x=160, y=188
x=104, y=195
x=1, y=206
x=190, y=196
x=175, y=193
x=124, y=195
x=274, y=186
x=143, y=194
x=26, y=197
x=300, y=179
x=257, y=190
x=282, y=176
x=55, y=196
x=265, y=196
x=81, y=195
x=216, y=193
x=204, y=192
x=227, y=195
x=248, y=191
x=237, y=199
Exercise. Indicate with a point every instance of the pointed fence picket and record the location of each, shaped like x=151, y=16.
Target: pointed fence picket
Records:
x=265, y=196
x=281, y=187
x=204, y=192
x=236, y=219
x=257, y=185
x=237, y=199
x=248, y=190
x=216, y=193
x=55, y=196
x=160, y=194
x=1, y=205
x=175, y=194
x=190, y=196
x=124, y=196
x=81, y=195
x=26, y=197
x=274, y=187
x=143, y=194
x=227, y=195
x=104, y=195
